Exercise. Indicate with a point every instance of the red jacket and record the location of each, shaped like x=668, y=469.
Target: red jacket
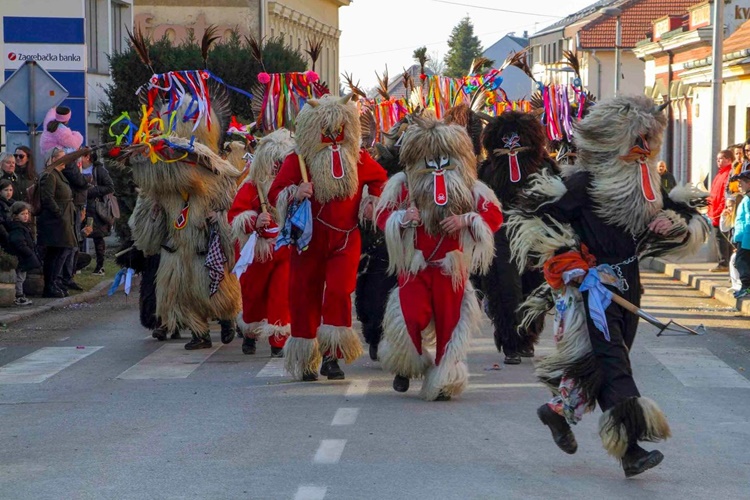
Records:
x=717, y=199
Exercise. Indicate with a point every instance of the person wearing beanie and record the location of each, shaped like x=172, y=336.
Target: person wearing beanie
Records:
x=57, y=133
x=21, y=244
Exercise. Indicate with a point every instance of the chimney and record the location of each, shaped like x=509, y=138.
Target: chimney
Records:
x=525, y=33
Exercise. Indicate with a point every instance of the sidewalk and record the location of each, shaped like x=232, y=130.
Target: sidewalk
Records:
x=697, y=275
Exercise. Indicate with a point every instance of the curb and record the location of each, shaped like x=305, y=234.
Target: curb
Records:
x=698, y=281
x=97, y=291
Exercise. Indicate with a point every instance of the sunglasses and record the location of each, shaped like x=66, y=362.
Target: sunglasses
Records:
x=22, y=156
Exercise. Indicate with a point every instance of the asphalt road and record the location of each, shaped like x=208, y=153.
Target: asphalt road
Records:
x=115, y=414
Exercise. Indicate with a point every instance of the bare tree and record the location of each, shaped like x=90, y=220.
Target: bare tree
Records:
x=435, y=63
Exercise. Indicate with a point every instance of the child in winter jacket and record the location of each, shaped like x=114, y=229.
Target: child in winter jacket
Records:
x=741, y=237
x=21, y=244
x=56, y=132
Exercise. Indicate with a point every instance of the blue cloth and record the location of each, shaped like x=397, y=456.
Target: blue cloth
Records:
x=124, y=276
x=297, y=230
x=742, y=224
x=599, y=300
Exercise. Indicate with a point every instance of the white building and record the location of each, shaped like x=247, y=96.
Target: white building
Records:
x=71, y=40
x=515, y=82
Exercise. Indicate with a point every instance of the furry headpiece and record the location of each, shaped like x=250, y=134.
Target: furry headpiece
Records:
x=618, y=142
x=328, y=135
x=515, y=144
x=463, y=115
x=440, y=168
x=270, y=153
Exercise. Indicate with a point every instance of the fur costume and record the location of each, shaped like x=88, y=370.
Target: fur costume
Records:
x=323, y=276
x=434, y=294
x=171, y=219
x=597, y=218
x=265, y=282
x=516, y=147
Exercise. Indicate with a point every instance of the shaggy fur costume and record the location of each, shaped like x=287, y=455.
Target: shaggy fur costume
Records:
x=265, y=283
x=433, y=266
x=606, y=204
x=323, y=276
x=512, y=140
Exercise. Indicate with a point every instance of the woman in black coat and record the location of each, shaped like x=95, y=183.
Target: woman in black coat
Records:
x=56, y=223
x=100, y=185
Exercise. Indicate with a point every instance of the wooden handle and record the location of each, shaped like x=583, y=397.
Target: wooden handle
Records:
x=262, y=198
x=302, y=168
x=626, y=304
x=123, y=252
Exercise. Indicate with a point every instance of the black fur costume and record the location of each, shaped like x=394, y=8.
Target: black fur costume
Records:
x=146, y=267
x=504, y=286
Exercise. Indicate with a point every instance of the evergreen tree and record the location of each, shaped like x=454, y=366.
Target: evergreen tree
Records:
x=463, y=47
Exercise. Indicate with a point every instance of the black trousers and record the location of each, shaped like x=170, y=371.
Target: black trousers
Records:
x=100, y=247
x=374, y=285
x=742, y=263
x=725, y=247
x=54, y=261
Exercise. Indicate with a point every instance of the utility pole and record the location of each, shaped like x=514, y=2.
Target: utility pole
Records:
x=716, y=85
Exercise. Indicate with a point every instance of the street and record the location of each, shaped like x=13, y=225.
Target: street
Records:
x=94, y=408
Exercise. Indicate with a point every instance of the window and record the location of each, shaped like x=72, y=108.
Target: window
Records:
x=117, y=27
x=731, y=124
x=92, y=42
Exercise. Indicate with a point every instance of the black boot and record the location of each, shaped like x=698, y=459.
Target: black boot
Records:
x=526, y=351
x=374, y=352
x=309, y=377
x=240, y=335
x=175, y=335
x=277, y=352
x=199, y=342
x=227, y=331
x=442, y=397
x=160, y=334
x=512, y=359
x=638, y=460
x=561, y=433
x=248, y=345
x=331, y=369
x=400, y=384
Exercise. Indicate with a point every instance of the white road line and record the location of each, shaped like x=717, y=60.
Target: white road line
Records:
x=168, y=362
x=698, y=367
x=504, y=386
x=345, y=416
x=274, y=368
x=330, y=451
x=310, y=493
x=357, y=389
x=63, y=339
x=42, y=364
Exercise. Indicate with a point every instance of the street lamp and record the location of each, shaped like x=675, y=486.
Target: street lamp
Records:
x=616, y=13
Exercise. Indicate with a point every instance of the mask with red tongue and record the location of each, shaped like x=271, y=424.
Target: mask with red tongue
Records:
x=438, y=166
x=334, y=138
x=639, y=153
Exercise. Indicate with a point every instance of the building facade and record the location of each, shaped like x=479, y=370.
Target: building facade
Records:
x=515, y=82
x=70, y=39
x=297, y=21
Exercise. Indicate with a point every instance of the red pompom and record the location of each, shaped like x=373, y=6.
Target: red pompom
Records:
x=423, y=77
x=264, y=78
x=312, y=76
x=115, y=152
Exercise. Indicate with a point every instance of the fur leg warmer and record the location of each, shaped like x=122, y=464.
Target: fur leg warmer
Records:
x=267, y=330
x=249, y=330
x=340, y=340
x=300, y=356
x=634, y=419
x=396, y=351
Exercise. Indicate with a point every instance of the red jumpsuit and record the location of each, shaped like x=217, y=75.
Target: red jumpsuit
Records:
x=430, y=293
x=323, y=277
x=265, y=283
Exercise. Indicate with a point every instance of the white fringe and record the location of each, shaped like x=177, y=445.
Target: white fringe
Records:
x=545, y=185
x=239, y=223
x=249, y=330
x=367, y=200
x=269, y=330
x=478, y=243
x=698, y=229
x=300, y=356
x=396, y=351
x=687, y=194
x=340, y=338
x=534, y=241
x=282, y=203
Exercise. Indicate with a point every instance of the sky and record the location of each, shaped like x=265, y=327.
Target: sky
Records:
x=376, y=33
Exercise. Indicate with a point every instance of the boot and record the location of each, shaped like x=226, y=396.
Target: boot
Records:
x=309, y=377
x=159, y=334
x=400, y=384
x=374, y=352
x=331, y=369
x=561, y=433
x=240, y=335
x=512, y=359
x=637, y=460
x=227, y=331
x=202, y=342
x=277, y=352
x=442, y=397
x=526, y=352
x=248, y=345
x=175, y=335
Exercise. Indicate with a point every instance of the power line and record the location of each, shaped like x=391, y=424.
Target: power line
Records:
x=498, y=10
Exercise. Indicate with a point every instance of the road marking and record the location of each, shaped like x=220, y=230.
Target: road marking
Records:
x=63, y=339
x=168, y=362
x=329, y=451
x=505, y=386
x=310, y=493
x=345, y=416
x=698, y=367
x=357, y=389
x=274, y=368
x=42, y=364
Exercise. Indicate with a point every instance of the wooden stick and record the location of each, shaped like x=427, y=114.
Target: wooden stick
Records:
x=262, y=198
x=302, y=168
x=626, y=304
x=123, y=252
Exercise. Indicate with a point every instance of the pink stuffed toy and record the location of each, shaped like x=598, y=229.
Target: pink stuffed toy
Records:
x=57, y=133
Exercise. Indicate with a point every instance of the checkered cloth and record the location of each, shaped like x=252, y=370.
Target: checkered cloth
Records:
x=215, y=260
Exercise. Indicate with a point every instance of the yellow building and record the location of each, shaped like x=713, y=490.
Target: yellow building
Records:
x=295, y=20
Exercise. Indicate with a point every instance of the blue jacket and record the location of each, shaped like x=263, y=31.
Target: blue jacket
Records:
x=742, y=224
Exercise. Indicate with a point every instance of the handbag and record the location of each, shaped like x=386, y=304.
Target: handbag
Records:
x=107, y=209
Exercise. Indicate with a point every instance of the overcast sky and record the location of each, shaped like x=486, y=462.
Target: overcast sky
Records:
x=380, y=32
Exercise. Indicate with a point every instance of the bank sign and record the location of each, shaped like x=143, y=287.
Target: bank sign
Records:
x=58, y=45
x=50, y=56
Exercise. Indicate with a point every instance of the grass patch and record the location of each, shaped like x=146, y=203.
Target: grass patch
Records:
x=89, y=281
